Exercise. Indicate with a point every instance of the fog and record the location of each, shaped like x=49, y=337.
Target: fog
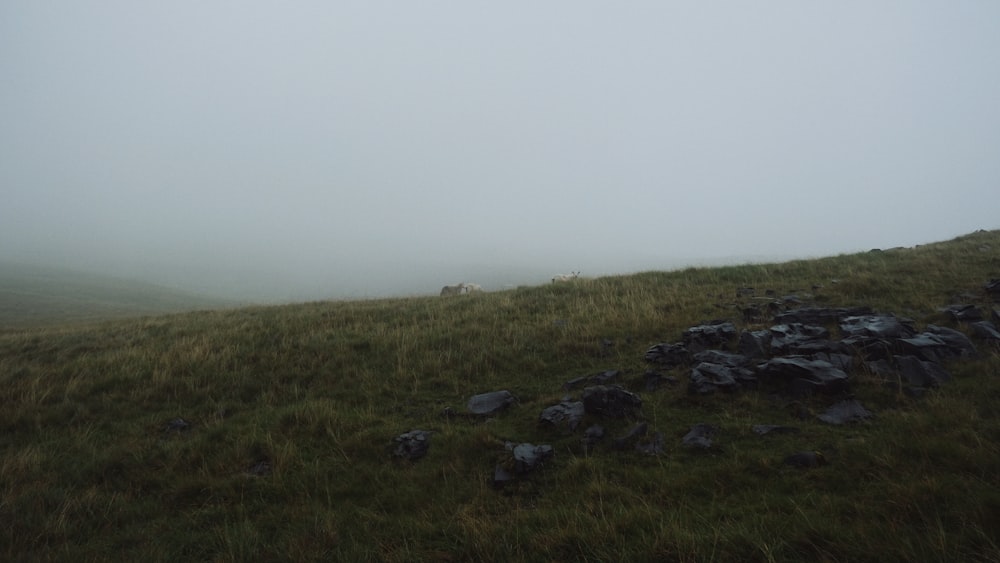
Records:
x=312, y=150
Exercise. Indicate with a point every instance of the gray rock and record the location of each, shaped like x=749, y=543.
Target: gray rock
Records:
x=605, y=376
x=846, y=411
x=926, y=346
x=708, y=378
x=877, y=326
x=412, y=445
x=722, y=358
x=653, y=446
x=610, y=400
x=755, y=344
x=961, y=346
x=486, y=404
x=593, y=435
x=699, y=436
x=790, y=338
x=803, y=376
x=709, y=335
x=178, y=425
x=985, y=330
x=820, y=315
x=964, y=313
x=528, y=456
x=570, y=412
x=918, y=373
x=668, y=355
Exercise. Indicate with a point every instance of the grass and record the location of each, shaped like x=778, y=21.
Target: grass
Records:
x=316, y=391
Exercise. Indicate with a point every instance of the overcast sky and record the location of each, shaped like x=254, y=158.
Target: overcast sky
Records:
x=289, y=150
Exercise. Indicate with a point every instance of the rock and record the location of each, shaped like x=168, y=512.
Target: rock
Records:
x=722, y=358
x=789, y=338
x=178, y=425
x=574, y=383
x=708, y=378
x=610, y=400
x=630, y=438
x=805, y=460
x=528, y=456
x=744, y=292
x=995, y=316
x=926, y=346
x=501, y=476
x=820, y=315
x=593, y=435
x=764, y=429
x=699, y=436
x=755, y=344
x=918, y=373
x=993, y=288
x=654, y=446
x=570, y=412
x=985, y=330
x=709, y=335
x=412, y=445
x=877, y=326
x=654, y=380
x=841, y=361
x=872, y=349
x=605, y=376
x=260, y=468
x=849, y=410
x=486, y=404
x=964, y=313
x=957, y=341
x=803, y=376
x=668, y=355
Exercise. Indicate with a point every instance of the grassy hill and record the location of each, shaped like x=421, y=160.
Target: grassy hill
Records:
x=267, y=433
x=36, y=295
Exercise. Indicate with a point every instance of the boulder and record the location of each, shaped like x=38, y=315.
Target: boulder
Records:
x=918, y=373
x=570, y=412
x=964, y=313
x=528, y=456
x=849, y=410
x=958, y=342
x=486, y=404
x=722, y=358
x=412, y=445
x=708, y=378
x=789, y=338
x=610, y=400
x=805, y=460
x=755, y=344
x=820, y=315
x=709, y=335
x=803, y=376
x=877, y=326
x=668, y=355
x=699, y=436
x=985, y=330
x=593, y=435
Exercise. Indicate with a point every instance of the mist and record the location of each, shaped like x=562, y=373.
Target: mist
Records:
x=364, y=149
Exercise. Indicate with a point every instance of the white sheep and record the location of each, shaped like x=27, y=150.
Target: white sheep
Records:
x=453, y=289
x=565, y=277
x=472, y=288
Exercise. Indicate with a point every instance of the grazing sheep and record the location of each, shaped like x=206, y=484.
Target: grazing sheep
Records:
x=565, y=277
x=473, y=288
x=453, y=289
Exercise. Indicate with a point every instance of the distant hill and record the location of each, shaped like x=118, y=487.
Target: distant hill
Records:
x=33, y=295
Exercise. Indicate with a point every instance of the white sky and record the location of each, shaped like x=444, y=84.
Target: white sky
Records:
x=328, y=149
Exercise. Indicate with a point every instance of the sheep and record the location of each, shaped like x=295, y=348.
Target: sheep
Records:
x=473, y=288
x=453, y=289
x=565, y=277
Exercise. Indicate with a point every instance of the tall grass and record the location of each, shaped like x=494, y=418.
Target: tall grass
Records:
x=291, y=412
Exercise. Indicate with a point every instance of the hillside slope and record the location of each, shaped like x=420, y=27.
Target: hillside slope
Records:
x=36, y=295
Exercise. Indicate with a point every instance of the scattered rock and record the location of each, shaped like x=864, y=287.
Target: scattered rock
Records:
x=653, y=446
x=487, y=404
x=918, y=373
x=178, y=425
x=605, y=376
x=412, y=445
x=574, y=383
x=755, y=344
x=699, y=436
x=610, y=400
x=964, y=313
x=714, y=333
x=668, y=355
x=849, y=410
x=805, y=460
x=797, y=338
x=708, y=378
x=877, y=326
x=985, y=330
x=959, y=344
x=593, y=435
x=654, y=380
x=800, y=375
x=528, y=456
x=820, y=315
x=570, y=412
